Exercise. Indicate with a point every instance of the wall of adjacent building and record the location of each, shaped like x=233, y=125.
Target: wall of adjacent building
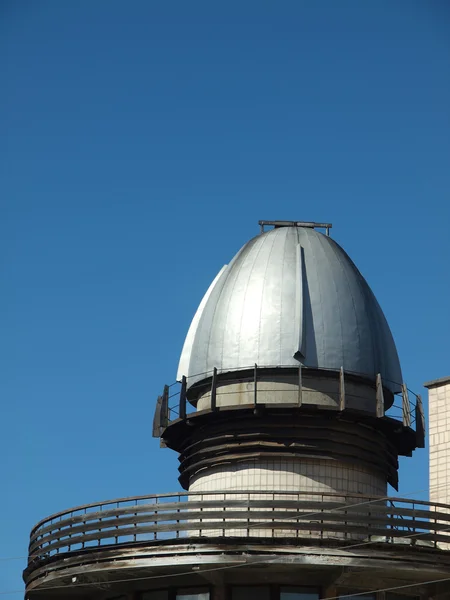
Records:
x=439, y=439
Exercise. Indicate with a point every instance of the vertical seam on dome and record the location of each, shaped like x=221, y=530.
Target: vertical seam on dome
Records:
x=306, y=235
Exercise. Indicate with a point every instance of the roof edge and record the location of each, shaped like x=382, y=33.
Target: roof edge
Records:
x=436, y=382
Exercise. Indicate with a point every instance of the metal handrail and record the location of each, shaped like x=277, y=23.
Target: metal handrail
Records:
x=396, y=411
x=178, y=516
x=209, y=373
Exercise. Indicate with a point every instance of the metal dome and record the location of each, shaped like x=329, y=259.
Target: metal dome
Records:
x=290, y=296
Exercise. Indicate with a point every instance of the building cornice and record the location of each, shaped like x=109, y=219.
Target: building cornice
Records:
x=437, y=382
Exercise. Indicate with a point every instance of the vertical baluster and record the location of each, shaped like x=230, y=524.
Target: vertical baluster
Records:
x=155, y=533
x=346, y=522
x=435, y=523
x=420, y=423
x=182, y=407
x=300, y=386
x=341, y=390
x=117, y=525
x=70, y=535
x=379, y=397
x=273, y=510
x=248, y=502
x=83, y=543
x=406, y=409
x=135, y=523
x=224, y=515
x=255, y=387
x=100, y=529
x=177, y=534
x=201, y=511
x=58, y=529
x=322, y=521
x=214, y=390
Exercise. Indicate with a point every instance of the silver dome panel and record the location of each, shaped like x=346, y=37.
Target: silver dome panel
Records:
x=290, y=296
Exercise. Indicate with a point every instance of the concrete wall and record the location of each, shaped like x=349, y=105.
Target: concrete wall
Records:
x=439, y=439
x=295, y=476
x=324, y=391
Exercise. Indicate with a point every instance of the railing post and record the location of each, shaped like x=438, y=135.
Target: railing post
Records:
x=157, y=418
x=224, y=516
x=155, y=533
x=300, y=385
x=214, y=390
x=379, y=397
x=165, y=407
x=135, y=524
x=435, y=530
x=406, y=409
x=182, y=408
x=117, y=526
x=341, y=389
x=84, y=533
x=420, y=423
x=178, y=520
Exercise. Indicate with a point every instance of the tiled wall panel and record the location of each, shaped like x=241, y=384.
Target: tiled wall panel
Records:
x=439, y=442
x=305, y=475
x=287, y=476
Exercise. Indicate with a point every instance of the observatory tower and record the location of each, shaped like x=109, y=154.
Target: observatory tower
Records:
x=288, y=415
x=291, y=366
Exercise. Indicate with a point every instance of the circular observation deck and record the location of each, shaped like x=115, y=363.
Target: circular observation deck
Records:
x=142, y=543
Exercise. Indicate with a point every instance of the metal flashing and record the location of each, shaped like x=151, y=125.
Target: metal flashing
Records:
x=436, y=382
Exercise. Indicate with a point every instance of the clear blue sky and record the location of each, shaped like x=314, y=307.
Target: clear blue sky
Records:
x=144, y=140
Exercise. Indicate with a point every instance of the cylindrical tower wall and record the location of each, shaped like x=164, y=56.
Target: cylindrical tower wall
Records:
x=298, y=475
x=283, y=477
x=291, y=387
x=294, y=473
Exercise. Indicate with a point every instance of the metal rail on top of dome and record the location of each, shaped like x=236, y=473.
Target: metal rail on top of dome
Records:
x=307, y=224
x=409, y=410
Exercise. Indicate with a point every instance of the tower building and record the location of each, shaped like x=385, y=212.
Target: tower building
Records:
x=288, y=415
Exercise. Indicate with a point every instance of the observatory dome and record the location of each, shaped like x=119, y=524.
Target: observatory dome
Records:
x=291, y=296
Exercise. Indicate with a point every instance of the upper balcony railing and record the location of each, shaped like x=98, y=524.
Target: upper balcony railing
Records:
x=298, y=517
x=406, y=408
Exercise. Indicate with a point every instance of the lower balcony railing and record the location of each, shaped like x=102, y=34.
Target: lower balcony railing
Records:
x=298, y=517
